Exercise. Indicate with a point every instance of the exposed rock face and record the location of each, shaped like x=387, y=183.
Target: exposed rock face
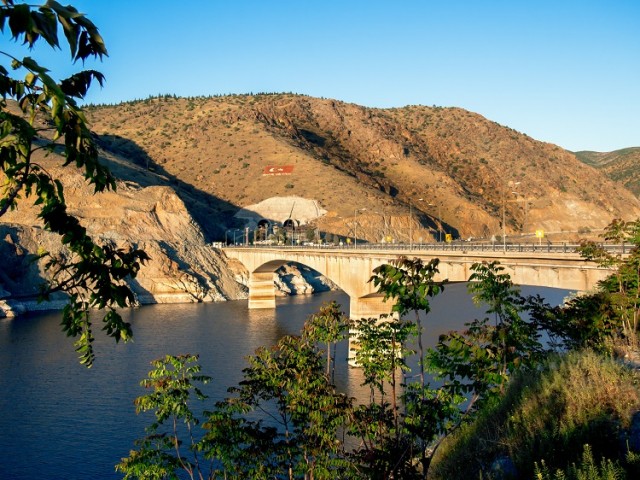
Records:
x=294, y=279
x=183, y=268
x=20, y=276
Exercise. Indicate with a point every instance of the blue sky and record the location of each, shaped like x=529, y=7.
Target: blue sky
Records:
x=566, y=72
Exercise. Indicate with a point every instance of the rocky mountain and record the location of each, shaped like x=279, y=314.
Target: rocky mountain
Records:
x=622, y=166
x=183, y=267
x=414, y=169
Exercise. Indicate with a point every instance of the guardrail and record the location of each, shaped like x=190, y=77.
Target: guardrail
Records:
x=565, y=248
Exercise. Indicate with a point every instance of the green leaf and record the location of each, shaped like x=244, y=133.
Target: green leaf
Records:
x=20, y=21
x=45, y=24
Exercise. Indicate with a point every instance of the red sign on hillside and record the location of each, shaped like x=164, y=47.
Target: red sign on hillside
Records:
x=278, y=170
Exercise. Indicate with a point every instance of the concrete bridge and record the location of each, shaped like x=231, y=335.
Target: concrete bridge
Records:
x=350, y=268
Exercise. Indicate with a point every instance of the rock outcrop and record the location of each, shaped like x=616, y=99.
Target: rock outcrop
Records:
x=182, y=268
x=294, y=279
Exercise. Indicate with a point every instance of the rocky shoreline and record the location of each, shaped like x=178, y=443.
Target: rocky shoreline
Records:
x=289, y=280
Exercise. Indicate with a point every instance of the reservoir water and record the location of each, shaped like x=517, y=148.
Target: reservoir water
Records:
x=60, y=420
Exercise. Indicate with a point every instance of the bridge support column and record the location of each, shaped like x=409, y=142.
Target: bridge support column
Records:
x=365, y=307
x=369, y=307
x=262, y=291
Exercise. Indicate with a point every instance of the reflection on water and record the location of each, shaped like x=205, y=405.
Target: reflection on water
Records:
x=59, y=420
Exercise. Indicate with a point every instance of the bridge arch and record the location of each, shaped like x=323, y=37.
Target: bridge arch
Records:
x=364, y=301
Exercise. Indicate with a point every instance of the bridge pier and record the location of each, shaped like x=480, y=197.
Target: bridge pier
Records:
x=371, y=306
x=262, y=290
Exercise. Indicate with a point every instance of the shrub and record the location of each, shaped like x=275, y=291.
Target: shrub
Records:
x=586, y=469
x=576, y=399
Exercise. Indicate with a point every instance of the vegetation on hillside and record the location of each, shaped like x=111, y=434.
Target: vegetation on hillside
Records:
x=546, y=417
x=620, y=165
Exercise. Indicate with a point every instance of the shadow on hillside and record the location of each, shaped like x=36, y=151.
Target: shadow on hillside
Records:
x=130, y=162
x=432, y=223
x=19, y=276
x=213, y=215
x=21, y=279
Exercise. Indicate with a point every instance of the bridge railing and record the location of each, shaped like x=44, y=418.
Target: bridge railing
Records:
x=564, y=248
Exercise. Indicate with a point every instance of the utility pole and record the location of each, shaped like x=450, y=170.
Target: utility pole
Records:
x=411, y=224
x=355, y=226
x=511, y=185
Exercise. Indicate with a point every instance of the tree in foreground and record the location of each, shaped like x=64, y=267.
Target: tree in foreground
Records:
x=479, y=361
x=39, y=114
x=427, y=411
x=615, y=306
x=329, y=326
x=284, y=420
x=173, y=381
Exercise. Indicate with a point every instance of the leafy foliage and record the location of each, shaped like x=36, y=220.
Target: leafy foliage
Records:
x=410, y=283
x=586, y=470
x=382, y=354
x=173, y=380
x=618, y=298
x=428, y=412
x=288, y=383
x=328, y=326
x=296, y=434
x=479, y=361
x=48, y=118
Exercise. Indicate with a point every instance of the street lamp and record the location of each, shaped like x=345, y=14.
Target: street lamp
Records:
x=440, y=222
x=384, y=225
x=439, y=219
x=511, y=184
x=355, y=226
x=525, y=207
x=232, y=230
x=411, y=224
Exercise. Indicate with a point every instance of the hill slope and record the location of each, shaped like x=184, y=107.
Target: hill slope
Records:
x=620, y=165
x=442, y=164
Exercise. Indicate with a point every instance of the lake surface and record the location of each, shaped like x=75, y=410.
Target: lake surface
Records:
x=60, y=420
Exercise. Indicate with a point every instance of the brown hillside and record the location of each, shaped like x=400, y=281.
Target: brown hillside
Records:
x=213, y=152
x=622, y=166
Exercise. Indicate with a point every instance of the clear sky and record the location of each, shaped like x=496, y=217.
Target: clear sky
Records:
x=561, y=71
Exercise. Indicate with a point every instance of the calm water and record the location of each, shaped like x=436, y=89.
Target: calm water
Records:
x=59, y=420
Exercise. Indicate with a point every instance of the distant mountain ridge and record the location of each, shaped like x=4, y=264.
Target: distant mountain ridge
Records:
x=620, y=165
